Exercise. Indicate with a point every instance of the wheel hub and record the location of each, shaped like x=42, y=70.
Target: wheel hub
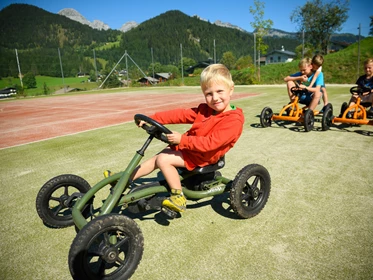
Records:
x=110, y=255
x=64, y=200
x=255, y=193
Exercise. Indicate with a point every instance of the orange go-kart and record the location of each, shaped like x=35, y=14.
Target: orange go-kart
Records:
x=294, y=112
x=355, y=114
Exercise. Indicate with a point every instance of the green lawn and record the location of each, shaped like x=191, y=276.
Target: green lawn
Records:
x=317, y=223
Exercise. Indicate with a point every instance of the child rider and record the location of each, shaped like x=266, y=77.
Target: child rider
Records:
x=216, y=127
x=305, y=74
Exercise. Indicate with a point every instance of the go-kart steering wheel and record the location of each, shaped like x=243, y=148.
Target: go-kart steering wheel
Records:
x=359, y=90
x=298, y=90
x=155, y=129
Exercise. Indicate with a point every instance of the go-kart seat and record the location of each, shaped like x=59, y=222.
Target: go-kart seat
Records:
x=208, y=168
x=366, y=104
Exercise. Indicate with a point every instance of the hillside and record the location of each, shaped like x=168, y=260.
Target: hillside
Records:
x=37, y=35
x=339, y=68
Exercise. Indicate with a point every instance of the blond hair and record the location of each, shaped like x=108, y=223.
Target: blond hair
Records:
x=216, y=73
x=368, y=61
x=304, y=61
x=318, y=60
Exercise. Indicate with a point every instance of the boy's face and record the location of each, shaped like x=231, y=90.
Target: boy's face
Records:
x=306, y=69
x=368, y=68
x=314, y=67
x=218, y=96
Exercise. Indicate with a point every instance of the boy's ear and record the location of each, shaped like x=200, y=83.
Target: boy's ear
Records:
x=231, y=90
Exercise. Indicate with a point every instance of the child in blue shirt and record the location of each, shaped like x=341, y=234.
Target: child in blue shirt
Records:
x=304, y=77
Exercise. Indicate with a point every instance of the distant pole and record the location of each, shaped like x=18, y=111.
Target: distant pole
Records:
x=63, y=79
x=19, y=69
x=214, y=52
x=182, y=69
x=112, y=70
x=302, y=43
x=358, y=53
x=127, y=74
x=152, y=61
x=254, y=52
x=94, y=59
x=259, y=65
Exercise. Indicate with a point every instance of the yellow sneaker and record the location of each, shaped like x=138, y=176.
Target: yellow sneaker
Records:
x=176, y=202
x=107, y=173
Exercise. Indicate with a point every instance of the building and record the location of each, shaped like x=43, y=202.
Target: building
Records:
x=279, y=56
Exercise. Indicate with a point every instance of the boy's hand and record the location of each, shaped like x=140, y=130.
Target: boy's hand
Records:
x=141, y=123
x=174, y=138
x=304, y=78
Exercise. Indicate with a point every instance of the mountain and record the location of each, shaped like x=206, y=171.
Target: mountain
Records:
x=37, y=34
x=75, y=15
x=128, y=26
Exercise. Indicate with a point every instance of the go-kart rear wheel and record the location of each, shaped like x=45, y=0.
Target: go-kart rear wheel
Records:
x=56, y=198
x=250, y=190
x=266, y=117
x=327, y=118
x=107, y=248
x=343, y=109
x=309, y=120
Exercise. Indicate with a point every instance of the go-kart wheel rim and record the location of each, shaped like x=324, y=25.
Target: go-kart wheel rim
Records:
x=250, y=191
x=266, y=117
x=309, y=120
x=108, y=247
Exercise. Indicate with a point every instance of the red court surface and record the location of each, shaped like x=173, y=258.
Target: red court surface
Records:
x=30, y=120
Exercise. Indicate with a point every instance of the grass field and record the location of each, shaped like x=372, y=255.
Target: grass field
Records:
x=317, y=223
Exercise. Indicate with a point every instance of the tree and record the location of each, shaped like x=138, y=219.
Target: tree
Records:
x=29, y=80
x=371, y=26
x=308, y=51
x=261, y=26
x=229, y=60
x=244, y=62
x=320, y=20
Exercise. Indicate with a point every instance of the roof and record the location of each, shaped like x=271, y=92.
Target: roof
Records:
x=288, y=53
x=164, y=75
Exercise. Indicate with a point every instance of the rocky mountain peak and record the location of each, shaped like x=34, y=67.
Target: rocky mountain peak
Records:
x=76, y=16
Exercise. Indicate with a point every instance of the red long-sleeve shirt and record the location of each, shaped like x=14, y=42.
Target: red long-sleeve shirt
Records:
x=209, y=138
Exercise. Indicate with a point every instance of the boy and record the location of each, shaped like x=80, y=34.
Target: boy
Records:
x=365, y=81
x=305, y=74
x=216, y=127
x=317, y=62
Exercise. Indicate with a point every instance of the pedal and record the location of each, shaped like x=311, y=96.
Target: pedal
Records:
x=170, y=213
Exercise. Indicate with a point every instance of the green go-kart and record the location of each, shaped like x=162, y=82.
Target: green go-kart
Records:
x=109, y=244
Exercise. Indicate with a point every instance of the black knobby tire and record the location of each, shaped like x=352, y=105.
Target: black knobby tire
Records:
x=107, y=248
x=250, y=191
x=266, y=117
x=327, y=118
x=309, y=120
x=52, y=198
x=343, y=109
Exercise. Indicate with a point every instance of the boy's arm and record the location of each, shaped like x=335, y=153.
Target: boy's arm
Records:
x=318, y=83
x=318, y=71
x=295, y=77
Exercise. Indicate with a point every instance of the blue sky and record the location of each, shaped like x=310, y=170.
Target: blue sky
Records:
x=116, y=13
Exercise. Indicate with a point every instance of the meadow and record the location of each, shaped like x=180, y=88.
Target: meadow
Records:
x=317, y=223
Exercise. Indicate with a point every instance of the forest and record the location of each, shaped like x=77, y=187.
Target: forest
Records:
x=48, y=44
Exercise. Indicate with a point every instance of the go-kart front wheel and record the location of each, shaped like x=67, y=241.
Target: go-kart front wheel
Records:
x=250, y=191
x=56, y=198
x=309, y=120
x=107, y=248
x=266, y=117
x=327, y=118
